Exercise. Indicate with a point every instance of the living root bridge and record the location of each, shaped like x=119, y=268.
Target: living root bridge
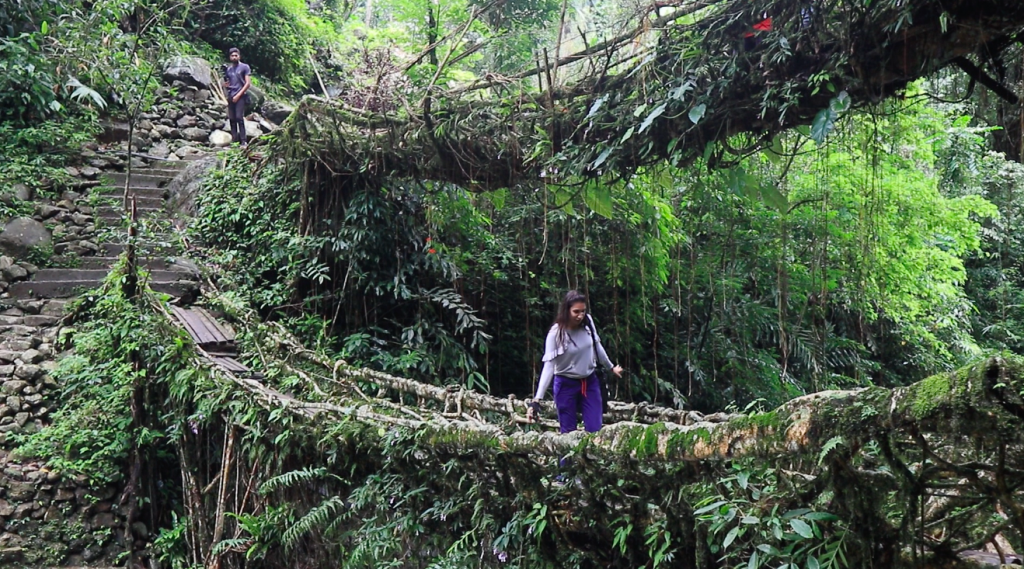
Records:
x=936, y=468
x=943, y=454
x=677, y=87
x=981, y=402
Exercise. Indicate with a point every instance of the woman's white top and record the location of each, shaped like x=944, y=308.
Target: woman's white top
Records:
x=572, y=358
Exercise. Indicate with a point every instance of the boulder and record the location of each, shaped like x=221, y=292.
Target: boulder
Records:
x=252, y=129
x=22, y=234
x=256, y=97
x=13, y=273
x=27, y=372
x=265, y=125
x=113, y=131
x=195, y=134
x=194, y=71
x=183, y=189
x=46, y=211
x=219, y=138
x=187, y=151
x=15, y=386
x=166, y=131
x=277, y=112
x=23, y=192
x=20, y=491
x=160, y=150
x=104, y=521
x=81, y=219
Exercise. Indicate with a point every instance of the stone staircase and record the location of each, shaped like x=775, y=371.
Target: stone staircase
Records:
x=166, y=275
x=31, y=497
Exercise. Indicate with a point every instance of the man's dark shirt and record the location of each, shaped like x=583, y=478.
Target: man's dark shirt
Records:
x=236, y=75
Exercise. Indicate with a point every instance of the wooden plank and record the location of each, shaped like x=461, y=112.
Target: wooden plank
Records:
x=204, y=329
x=203, y=334
x=217, y=340
x=221, y=328
x=179, y=313
x=230, y=364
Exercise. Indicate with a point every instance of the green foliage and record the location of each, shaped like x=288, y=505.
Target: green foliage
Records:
x=93, y=431
x=28, y=85
x=376, y=505
x=248, y=221
x=170, y=545
x=748, y=528
x=275, y=37
x=800, y=269
x=36, y=155
x=994, y=280
x=403, y=314
x=20, y=16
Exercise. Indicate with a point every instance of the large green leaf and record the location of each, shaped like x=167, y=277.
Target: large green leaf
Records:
x=801, y=527
x=598, y=198
x=774, y=198
x=650, y=118
x=697, y=113
x=741, y=183
x=824, y=122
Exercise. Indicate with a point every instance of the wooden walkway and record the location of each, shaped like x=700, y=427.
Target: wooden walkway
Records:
x=213, y=337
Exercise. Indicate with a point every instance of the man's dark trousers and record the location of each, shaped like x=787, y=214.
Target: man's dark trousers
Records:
x=236, y=117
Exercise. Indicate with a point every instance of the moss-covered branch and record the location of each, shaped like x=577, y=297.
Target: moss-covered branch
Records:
x=693, y=84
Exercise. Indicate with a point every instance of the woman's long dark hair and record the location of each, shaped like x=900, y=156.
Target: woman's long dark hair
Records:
x=563, y=317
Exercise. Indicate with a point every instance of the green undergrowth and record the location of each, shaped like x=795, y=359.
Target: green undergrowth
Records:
x=338, y=491
x=352, y=493
x=35, y=155
x=122, y=351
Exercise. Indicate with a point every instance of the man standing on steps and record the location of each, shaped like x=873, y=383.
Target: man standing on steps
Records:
x=237, y=81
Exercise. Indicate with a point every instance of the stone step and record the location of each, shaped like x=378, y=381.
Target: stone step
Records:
x=166, y=172
x=152, y=171
x=9, y=330
x=92, y=263
x=69, y=288
x=116, y=214
x=140, y=193
x=45, y=275
x=147, y=200
x=33, y=320
x=117, y=179
x=159, y=250
x=29, y=307
x=180, y=164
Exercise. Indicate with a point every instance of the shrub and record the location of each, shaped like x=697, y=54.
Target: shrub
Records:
x=273, y=35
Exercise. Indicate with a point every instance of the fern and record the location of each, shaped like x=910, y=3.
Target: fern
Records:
x=240, y=544
x=291, y=479
x=829, y=446
x=81, y=92
x=323, y=515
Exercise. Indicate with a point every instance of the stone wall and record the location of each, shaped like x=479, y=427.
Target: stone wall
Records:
x=45, y=518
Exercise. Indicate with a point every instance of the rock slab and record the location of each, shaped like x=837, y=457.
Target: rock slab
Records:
x=22, y=234
x=193, y=71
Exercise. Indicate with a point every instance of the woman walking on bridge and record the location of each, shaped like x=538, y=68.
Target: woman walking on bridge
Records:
x=572, y=351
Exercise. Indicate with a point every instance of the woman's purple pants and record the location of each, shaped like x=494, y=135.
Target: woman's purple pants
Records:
x=573, y=396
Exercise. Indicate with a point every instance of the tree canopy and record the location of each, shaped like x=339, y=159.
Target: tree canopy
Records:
x=679, y=85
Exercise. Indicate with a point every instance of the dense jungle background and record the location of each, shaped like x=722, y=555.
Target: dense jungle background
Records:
x=879, y=256
x=876, y=245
